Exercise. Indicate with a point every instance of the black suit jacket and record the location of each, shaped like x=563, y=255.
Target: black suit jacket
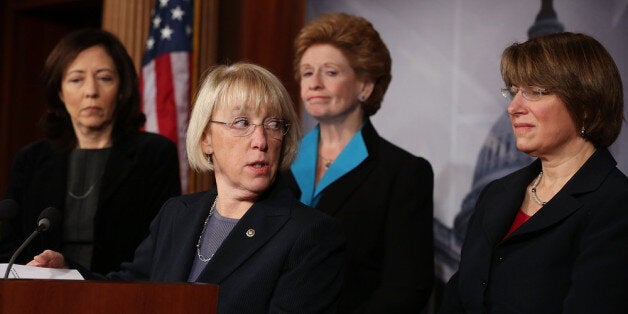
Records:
x=570, y=257
x=292, y=264
x=142, y=172
x=385, y=206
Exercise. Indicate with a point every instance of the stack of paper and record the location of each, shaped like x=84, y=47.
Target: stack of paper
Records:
x=30, y=272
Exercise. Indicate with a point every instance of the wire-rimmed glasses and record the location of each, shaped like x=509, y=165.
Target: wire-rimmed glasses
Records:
x=532, y=93
x=241, y=126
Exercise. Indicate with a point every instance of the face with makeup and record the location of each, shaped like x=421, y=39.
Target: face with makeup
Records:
x=542, y=126
x=89, y=90
x=330, y=88
x=245, y=149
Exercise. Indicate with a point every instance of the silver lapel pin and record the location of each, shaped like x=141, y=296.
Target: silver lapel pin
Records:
x=250, y=233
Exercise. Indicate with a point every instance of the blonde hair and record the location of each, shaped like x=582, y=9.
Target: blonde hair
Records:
x=241, y=85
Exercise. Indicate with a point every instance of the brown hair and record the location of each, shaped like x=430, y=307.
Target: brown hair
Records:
x=127, y=117
x=579, y=70
x=361, y=45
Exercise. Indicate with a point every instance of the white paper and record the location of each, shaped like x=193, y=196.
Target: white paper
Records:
x=30, y=272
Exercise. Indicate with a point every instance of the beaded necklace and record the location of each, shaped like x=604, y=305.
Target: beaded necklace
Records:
x=200, y=237
x=533, y=190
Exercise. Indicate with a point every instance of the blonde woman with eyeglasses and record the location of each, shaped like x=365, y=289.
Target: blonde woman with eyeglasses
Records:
x=267, y=252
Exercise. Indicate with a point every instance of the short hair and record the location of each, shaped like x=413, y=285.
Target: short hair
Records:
x=360, y=43
x=579, y=70
x=127, y=117
x=241, y=85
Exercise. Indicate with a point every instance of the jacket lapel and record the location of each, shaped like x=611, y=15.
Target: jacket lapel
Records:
x=565, y=202
x=188, y=225
x=560, y=207
x=337, y=193
x=265, y=218
x=120, y=163
x=502, y=208
x=57, y=179
x=53, y=186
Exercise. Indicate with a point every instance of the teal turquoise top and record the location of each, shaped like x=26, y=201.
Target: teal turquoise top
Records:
x=304, y=167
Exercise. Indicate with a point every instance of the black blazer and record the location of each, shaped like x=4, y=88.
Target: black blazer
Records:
x=570, y=257
x=292, y=264
x=385, y=206
x=142, y=172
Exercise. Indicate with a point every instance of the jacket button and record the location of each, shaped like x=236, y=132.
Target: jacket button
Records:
x=483, y=283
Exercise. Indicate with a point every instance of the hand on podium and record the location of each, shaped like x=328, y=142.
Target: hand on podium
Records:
x=49, y=259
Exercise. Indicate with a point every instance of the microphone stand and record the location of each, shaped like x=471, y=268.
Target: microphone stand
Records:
x=21, y=248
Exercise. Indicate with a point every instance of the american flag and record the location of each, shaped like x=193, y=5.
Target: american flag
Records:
x=165, y=78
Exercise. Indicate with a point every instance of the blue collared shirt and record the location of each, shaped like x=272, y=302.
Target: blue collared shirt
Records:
x=304, y=166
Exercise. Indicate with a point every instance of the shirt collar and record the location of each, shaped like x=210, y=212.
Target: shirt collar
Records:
x=304, y=166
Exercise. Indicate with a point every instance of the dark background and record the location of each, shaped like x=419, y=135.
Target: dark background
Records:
x=247, y=30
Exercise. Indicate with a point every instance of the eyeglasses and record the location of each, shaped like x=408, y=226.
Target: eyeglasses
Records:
x=532, y=95
x=276, y=128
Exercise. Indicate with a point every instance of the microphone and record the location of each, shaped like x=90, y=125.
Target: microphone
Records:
x=47, y=220
x=9, y=209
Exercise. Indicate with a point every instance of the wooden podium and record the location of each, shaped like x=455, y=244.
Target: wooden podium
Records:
x=77, y=296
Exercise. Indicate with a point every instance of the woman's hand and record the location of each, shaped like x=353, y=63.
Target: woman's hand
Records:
x=50, y=259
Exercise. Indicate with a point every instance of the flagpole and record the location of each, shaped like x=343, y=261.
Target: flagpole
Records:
x=196, y=30
x=204, y=51
x=196, y=33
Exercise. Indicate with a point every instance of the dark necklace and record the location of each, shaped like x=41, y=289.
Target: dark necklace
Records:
x=326, y=162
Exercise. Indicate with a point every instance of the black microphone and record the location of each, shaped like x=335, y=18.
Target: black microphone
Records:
x=8, y=210
x=48, y=218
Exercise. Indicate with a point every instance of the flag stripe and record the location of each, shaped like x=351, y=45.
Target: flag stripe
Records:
x=181, y=63
x=147, y=84
x=165, y=75
x=180, y=69
x=165, y=102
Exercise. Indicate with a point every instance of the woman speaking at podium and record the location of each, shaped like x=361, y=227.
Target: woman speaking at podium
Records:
x=267, y=251
x=94, y=163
